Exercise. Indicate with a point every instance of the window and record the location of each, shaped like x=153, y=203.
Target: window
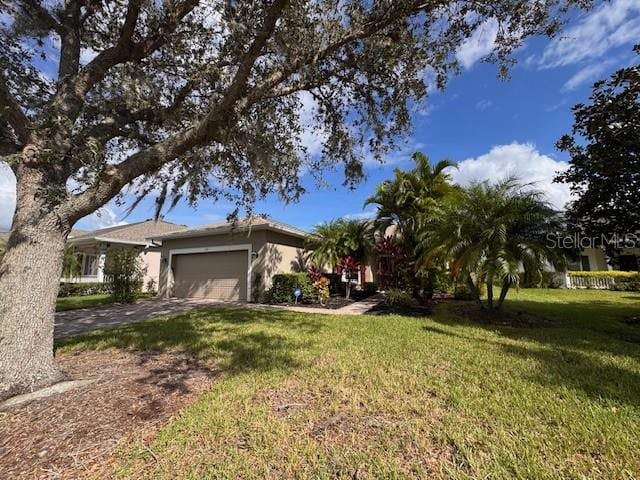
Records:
x=90, y=266
x=628, y=263
x=584, y=262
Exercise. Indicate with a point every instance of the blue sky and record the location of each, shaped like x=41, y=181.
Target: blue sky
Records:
x=492, y=128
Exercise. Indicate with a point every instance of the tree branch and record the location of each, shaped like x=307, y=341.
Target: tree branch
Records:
x=69, y=99
x=70, y=40
x=41, y=15
x=11, y=111
x=115, y=177
x=313, y=58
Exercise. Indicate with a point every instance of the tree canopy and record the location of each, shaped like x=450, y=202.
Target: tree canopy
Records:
x=604, y=171
x=191, y=99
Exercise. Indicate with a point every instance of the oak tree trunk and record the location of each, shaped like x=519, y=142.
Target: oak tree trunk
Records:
x=29, y=282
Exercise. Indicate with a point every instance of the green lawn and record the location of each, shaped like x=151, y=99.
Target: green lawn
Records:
x=312, y=396
x=88, y=301
x=84, y=301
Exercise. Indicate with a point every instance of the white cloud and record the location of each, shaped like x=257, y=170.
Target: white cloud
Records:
x=7, y=196
x=366, y=215
x=586, y=74
x=479, y=44
x=610, y=25
x=520, y=159
x=484, y=104
x=104, y=217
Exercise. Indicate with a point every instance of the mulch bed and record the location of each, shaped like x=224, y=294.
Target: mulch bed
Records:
x=74, y=434
x=335, y=301
x=412, y=311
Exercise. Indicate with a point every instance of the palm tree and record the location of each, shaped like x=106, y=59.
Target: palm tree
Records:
x=492, y=233
x=410, y=202
x=324, y=244
x=410, y=196
x=331, y=242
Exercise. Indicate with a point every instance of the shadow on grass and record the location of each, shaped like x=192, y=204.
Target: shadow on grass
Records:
x=586, y=350
x=236, y=339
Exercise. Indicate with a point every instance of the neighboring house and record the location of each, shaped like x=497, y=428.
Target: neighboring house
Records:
x=227, y=261
x=595, y=259
x=93, y=248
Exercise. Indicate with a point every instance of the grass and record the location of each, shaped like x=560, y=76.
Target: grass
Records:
x=313, y=396
x=84, y=301
x=89, y=301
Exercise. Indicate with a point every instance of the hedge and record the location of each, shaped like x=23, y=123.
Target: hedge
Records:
x=284, y=284
x=68, y=289
x=603, y=274
x=623, y=281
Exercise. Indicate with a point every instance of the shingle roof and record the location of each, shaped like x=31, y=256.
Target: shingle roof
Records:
x=137, y=232
x=244, y=224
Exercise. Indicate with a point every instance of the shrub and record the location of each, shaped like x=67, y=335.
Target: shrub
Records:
x=349, y=268
x=541, y=280
x=462, y=292
x=322, y=289
x=125, y=274
x=629, y=283
x=82, y=289
x=370, y=288
x=397, y=298
x=436, y=280
x=284, y=284
x=151, y=286
x=336, y=286
x=314, y=272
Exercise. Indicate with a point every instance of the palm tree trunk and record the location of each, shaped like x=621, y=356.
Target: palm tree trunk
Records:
x=503, y=293
x=475, y=292
x=490, y=292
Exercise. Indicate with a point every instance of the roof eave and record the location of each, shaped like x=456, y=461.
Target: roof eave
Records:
x=85, y=240
x=227, y=229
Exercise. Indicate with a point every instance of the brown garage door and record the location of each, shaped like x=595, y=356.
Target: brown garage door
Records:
x=219, y=275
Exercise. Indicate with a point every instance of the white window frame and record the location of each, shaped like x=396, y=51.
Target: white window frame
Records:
x=218, y=249
x=85, y=256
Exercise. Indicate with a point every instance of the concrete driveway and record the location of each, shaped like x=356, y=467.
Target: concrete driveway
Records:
x=73, y=322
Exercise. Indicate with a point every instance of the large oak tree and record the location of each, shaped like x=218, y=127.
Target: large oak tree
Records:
x=604, y=169
x=189, y=98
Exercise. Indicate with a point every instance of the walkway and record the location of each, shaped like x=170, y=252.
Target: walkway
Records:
x=355, y=308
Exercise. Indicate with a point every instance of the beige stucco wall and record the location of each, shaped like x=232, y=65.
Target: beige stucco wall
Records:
x=274, y=251
x=151, y=261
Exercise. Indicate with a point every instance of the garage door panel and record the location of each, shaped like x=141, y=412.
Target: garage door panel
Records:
x=217, y=275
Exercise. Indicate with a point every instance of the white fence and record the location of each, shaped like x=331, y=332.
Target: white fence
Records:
x=599, y=283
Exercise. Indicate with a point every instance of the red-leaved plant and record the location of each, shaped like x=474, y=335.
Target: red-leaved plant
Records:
x=349, y=268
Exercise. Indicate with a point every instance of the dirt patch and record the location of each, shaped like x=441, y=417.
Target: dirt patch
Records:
x=502, y=317
x=74, y=434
